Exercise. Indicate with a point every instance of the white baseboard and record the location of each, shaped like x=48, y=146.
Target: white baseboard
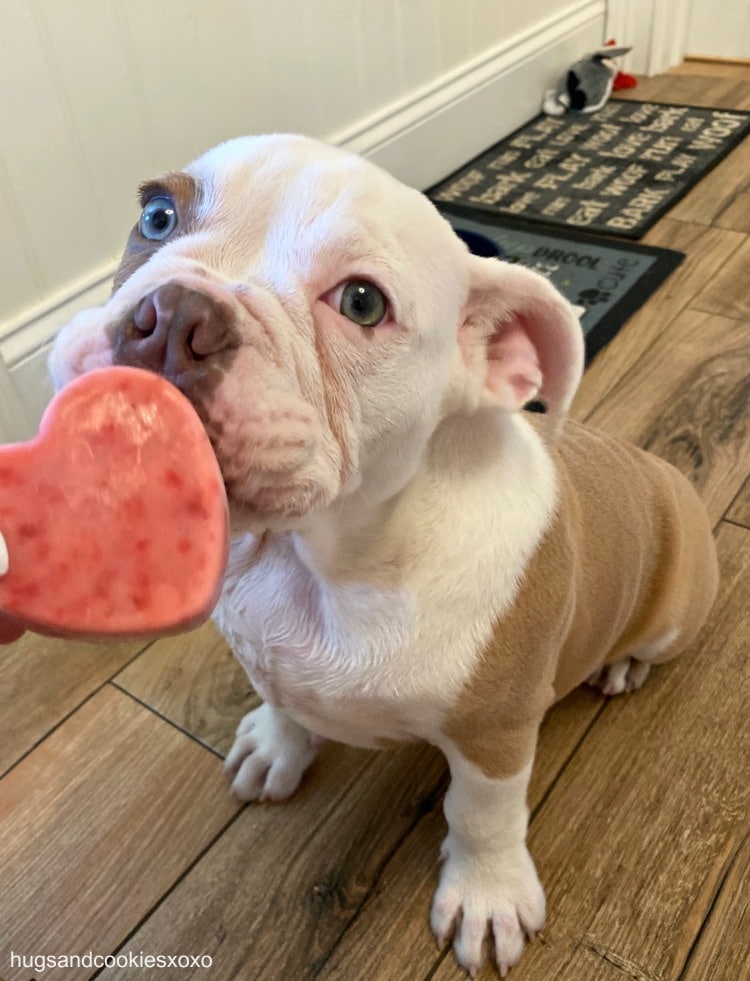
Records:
x=420, y=139
x=426, y=136
x=657, y=32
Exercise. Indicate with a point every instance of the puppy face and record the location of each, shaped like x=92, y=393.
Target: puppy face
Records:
x=331, y=297
x=322, y=317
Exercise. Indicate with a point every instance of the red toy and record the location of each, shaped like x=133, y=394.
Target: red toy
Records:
x=622, y=79
x=113, y=520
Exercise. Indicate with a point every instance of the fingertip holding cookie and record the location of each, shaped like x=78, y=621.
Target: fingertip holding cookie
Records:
x=4, y=557
x=9, y=630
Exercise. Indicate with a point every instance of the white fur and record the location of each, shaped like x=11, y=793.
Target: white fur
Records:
x=269, y=756
x=366, y=625
x=488, y=884
x=373, y=556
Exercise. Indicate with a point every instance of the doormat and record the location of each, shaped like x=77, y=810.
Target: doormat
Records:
x=606, y=280
x=615, y=171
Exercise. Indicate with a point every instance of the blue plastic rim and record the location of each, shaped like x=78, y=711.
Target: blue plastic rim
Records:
x=480, y=244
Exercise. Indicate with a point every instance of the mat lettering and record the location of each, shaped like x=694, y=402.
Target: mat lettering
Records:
x=580, y=260
x=627, y=179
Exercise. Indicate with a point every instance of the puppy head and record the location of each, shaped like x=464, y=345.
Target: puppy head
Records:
x=323, y=319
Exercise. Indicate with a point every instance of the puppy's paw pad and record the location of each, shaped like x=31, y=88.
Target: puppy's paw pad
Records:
x=489, y=907
x=269, y=756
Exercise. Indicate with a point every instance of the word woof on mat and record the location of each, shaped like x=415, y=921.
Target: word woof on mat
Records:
x=615, y=171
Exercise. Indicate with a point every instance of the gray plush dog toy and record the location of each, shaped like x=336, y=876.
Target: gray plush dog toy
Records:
x=586, y=85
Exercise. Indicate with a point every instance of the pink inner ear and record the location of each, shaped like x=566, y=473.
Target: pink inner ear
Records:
x=513, y=373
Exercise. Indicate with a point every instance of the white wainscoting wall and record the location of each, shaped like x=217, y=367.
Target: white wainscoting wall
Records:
x=98, y=95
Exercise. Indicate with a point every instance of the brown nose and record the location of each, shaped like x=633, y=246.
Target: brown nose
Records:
x=173, y=331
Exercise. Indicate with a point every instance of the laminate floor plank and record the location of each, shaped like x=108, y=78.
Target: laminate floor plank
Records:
x=740, y=509
x=727, y=293
x=195, y=681
x=42, y=680
x=314, y=861
x=720, y=92
x=723, y=949
x=274, y=894
x=96, y=824
x=722, y=69
x=688, y=403
x=736, y=214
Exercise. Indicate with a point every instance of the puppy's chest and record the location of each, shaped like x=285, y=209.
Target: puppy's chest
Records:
x=351, y=663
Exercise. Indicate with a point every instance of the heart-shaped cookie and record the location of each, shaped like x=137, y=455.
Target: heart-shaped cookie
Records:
x=113, y=519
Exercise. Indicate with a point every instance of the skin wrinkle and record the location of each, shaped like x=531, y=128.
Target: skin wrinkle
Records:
x=272, y=349
x=337, y=413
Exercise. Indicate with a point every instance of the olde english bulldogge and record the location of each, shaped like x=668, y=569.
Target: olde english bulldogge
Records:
x=414, y=557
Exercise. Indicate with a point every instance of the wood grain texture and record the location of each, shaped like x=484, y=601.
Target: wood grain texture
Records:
x=195, y=681
x=636, y=837
x=736, y=214
x=391, y=938
x=587, y=962
x=323, y=860
x=721, y=69
x=275, y=893
x=97, y=823
x=723, y=949
x=42, y=680
x=374, y=946
x=740, y=509
x=715, y=194
x=719, y=92
x=727, y=293
x=706, y=250
x=687, y=401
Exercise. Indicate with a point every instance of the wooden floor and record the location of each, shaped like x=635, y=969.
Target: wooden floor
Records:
x=117, y=833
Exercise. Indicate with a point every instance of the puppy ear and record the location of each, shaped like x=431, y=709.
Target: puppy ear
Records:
x=520, y=338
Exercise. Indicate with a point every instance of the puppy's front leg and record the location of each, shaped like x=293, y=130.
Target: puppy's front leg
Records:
x=270, y=755
x=489, y=890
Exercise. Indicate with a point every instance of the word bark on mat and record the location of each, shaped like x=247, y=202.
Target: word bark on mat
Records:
x=616, y=171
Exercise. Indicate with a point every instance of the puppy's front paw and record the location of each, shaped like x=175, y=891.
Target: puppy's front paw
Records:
x=490, y=904
x=269, y=756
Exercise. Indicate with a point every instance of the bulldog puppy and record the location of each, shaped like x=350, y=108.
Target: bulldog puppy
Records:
x=414, y=556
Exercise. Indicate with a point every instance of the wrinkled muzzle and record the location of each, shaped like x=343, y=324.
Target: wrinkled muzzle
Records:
x=234, y=359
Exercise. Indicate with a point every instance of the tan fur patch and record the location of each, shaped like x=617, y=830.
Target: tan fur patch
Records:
x=629, y=557
x=185, y=192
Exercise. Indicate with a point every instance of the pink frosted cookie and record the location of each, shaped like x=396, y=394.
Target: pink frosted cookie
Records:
x=113, y=519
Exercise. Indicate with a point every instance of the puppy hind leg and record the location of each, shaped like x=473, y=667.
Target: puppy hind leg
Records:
x=623, y=676
x=629, y=673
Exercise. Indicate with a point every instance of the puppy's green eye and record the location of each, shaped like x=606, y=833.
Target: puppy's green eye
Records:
x=363, y=303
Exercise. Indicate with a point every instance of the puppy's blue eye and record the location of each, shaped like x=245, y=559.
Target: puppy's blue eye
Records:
x=158, y=218
x=363, y=303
